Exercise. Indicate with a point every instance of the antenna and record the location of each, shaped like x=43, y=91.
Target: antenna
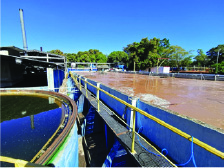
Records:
x=23, y=31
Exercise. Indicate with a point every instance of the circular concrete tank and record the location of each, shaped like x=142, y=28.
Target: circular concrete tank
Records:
x=34, y=124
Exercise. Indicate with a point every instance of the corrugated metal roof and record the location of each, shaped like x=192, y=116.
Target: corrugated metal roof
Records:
x=42, y=52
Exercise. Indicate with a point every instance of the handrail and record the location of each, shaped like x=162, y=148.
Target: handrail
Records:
x=19, y=162
x=170, y=127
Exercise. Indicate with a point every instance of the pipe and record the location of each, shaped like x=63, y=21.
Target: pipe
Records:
x=23, y=31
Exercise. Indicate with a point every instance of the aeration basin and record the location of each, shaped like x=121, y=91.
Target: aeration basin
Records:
x=37, y=126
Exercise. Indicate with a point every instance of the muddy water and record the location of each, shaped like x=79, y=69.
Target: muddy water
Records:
x=199, y=99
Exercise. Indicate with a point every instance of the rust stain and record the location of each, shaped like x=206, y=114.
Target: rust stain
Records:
x=121, y=133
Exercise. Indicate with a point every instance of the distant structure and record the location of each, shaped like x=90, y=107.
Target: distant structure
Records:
x=17, y=65
x=160, y=70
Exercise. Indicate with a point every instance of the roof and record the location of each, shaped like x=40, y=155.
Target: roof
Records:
x=34, y=56
x=45, y=53
x=12, y=47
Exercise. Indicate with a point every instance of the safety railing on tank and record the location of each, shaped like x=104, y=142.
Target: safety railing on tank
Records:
x=157, y=120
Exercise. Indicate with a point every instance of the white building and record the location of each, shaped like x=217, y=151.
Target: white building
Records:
x=160, y=70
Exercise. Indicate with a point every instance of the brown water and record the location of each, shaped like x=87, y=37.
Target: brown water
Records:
x=199, y=99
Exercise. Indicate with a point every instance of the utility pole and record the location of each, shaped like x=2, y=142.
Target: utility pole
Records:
x=217, y=61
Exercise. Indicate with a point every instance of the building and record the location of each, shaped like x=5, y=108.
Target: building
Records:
x=20, y=68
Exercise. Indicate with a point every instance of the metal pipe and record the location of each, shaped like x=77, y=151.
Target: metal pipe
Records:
x=23, y=31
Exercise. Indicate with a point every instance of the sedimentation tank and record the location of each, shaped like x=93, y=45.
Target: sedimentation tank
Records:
x=135, y=124
x=199, y=99
x=38, y=127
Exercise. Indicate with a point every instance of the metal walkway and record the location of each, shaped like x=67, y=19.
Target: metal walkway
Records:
x=142, y=157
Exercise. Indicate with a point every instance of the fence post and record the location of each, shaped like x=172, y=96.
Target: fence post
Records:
x=98, y=96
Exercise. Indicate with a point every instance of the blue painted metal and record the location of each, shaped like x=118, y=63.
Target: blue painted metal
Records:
x=90, y=120
x=179, y=149
x=117, y=157
x=91, y=88
x=120, y=108
x=59, y=75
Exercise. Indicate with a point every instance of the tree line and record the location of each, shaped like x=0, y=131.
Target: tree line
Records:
x=152, y=53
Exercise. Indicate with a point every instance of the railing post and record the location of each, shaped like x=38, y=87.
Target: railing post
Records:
x=133, y=103
x=76, y=80
x=80, y=84
x=86, y=87
x=133, y=134
x=98, y=96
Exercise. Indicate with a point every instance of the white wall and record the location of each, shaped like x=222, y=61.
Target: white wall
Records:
x=160, y=70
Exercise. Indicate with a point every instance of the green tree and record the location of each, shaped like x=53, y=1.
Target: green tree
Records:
x=118, y=56
x=146, y=53
x=71, y=57
x=133, y=53
x=220, y=67
x=179, y=57
x=216, y=56
x=56, y=52
x=92, y=55
x=213, y=53
x=201, y=59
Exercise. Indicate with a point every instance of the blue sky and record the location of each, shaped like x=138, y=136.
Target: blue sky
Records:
x=110, y=25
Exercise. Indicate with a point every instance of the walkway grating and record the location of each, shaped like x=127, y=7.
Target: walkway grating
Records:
x=142, y=157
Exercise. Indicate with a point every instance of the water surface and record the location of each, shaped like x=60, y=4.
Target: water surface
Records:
x=199, y=99
x=27, y=123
